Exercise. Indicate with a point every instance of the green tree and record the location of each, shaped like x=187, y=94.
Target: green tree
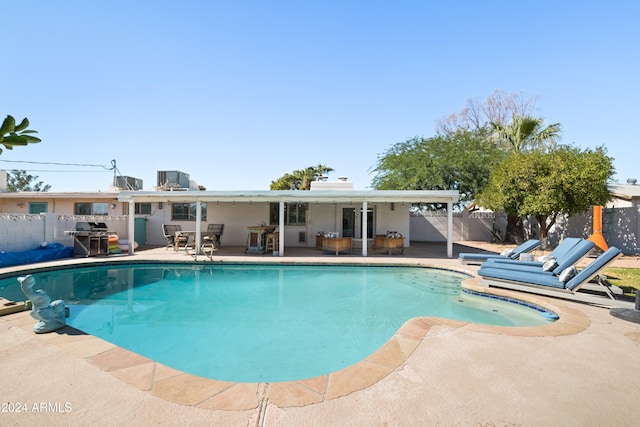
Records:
x=524, y=133
x=20, y=180
x=300, y=179
x=459, y=161
x=12, y=135
x=546, y=185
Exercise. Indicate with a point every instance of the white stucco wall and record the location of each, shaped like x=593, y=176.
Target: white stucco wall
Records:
x=236, y=219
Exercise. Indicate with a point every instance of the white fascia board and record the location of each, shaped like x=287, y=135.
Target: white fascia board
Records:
x=329, y=196
x=69, y=195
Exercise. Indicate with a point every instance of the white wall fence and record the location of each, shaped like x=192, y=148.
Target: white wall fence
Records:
x=480, y=226
x=621, y=228
x=21, y=232
x=431, y=226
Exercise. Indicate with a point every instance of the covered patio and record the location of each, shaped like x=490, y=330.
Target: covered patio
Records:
x=363, y=199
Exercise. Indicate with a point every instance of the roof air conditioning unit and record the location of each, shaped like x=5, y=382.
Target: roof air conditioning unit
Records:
x=127, y=183
x=170, y=180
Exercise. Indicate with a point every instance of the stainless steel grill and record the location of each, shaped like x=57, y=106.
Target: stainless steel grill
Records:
x=90, y=238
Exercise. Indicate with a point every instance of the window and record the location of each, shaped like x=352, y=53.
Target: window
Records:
x=92, y=209
x=143, y=208
x=38, y=207
x=187, y=211
x=294, y=213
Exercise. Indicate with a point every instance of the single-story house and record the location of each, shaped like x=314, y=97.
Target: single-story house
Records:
x=625, y=195
x=329, y=207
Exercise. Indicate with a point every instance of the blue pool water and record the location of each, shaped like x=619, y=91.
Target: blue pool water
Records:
x=250, y=323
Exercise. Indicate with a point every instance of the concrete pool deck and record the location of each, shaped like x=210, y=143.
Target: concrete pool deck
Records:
x=581, y=370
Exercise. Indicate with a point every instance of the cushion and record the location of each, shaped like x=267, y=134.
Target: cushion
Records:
x=545, y=258
x=549, y=265
x=526, y=257
x=568, y=273
x=507, y=252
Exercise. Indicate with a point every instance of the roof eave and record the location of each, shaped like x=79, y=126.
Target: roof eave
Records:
x=328, y=196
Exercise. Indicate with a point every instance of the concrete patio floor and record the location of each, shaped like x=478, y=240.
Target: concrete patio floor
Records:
x=580, y=370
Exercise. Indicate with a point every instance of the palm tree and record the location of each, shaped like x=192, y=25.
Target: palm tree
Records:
x=11, y=135
x=525, y=133
x=300, y=179
x=322, y=170
x=312, y=173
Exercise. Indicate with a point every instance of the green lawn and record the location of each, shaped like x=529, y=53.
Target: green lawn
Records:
x=625, y=278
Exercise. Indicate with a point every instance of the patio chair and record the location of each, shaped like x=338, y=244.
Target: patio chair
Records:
x=557, y=286
x=214, y=231
x=477, y=259
x=170, y=231
x=207, y=247
x=273, y=242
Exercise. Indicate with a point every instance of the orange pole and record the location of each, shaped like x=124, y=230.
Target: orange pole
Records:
x=597, y=237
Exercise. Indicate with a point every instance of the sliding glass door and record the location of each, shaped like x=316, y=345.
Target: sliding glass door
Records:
x=352, y=223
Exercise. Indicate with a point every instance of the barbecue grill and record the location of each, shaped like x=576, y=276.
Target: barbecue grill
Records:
x=90, y=239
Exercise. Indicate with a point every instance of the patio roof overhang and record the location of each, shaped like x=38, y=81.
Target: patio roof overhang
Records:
x=320, y=196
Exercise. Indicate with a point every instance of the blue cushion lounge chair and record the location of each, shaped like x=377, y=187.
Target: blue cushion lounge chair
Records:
x=566, y=245
x=563, y=260
x=477, y=259
x=551, y=285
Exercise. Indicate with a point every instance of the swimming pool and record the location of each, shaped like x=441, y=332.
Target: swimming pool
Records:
x=261, y=323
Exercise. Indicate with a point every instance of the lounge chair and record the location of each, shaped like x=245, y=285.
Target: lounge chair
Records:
x=477, y=259
x=173, y=240
x=554, y=286
x=564, y=256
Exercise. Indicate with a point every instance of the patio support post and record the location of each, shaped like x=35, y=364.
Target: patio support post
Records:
x=364, y=228
x=450, y=229
x=281, y=230
x=198, y=227
x=131, y=226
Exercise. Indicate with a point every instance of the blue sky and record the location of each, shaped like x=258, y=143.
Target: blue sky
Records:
x=238, y=93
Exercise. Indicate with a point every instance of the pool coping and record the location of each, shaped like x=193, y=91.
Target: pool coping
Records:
x=190, y=390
